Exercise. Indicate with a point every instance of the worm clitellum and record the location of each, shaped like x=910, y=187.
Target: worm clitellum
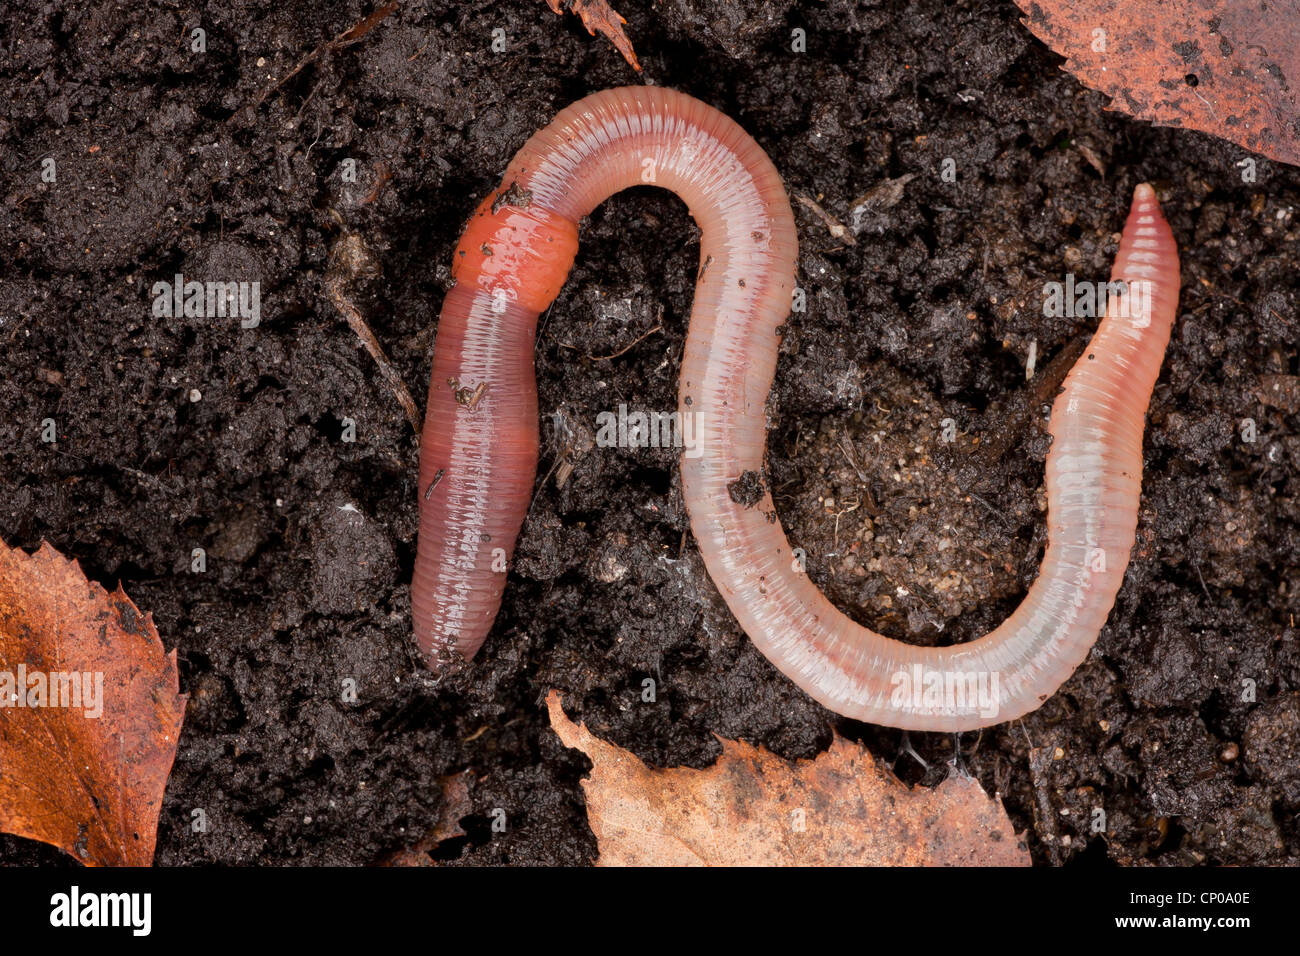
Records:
x=478, y=456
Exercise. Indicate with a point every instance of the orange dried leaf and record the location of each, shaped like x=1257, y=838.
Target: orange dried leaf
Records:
x=1228, y=69
x=84, y=762
x=599, y=15
x=455, y=804
x=755, y=808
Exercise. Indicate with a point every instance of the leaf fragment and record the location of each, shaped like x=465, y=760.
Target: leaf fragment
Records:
x=90, y=712
x=755, y=808
x=599, y=15
x=1228, y=69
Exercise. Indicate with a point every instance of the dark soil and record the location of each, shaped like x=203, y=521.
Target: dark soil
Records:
x=168, y=163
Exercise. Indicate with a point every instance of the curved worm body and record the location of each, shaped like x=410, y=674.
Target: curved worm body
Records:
x=479, y=451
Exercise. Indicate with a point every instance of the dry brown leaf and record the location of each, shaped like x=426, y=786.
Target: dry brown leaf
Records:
x=1224, y=68
x=599, y=15
x=753, y=808
x=455, y=804
x=90, y=785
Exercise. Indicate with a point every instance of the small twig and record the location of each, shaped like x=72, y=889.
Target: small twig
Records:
x=542, y=484
x=836, y=228
x=846, y=446
x=442, y=472
x=1230, y=298
x=626, y=348
x=423, y=46
x=991, y=510
x=835, y=541
x=1201, y=577
x=383, y=176
x=1018, y=411
x=349, y=36
x=126, y=469
x=348, y=259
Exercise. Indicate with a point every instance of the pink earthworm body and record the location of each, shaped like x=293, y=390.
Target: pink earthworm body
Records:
x=479, y=451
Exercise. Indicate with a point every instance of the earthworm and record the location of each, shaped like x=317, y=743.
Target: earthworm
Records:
x=478, y=456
